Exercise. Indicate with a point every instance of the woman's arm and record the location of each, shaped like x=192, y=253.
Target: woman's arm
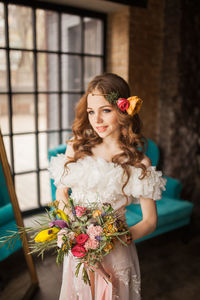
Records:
x=149, y=221
x=62, y=196
x=149, y=212
x=62, y=193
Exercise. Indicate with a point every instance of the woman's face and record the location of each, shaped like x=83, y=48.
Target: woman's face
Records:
x=102, y=116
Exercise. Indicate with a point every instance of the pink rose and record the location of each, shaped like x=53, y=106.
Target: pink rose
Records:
x=82, y=238
x=79, y=251
x=123, y=104
x=93, y=231
x=91, y=244
x=80, y=211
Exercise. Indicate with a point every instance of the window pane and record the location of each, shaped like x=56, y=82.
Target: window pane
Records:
x=23, y=113
x=45, y=188
x=52, y=140
x=20, y=26
x=93, y=33
x=24, y=152
x=65, y=136
x=71, y=33
x=68, y=109
x=21, y=71
x=48, y=111
x=3, y=71
x=2, y=26
x=71, y=73
x=47, y=29
x=26, y=190
x=92, y=67
x=6, y=141
x=43, y=152
x=47, y=72
x=4, y=114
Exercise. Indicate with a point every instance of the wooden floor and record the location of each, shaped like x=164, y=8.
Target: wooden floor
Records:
x=170, y=270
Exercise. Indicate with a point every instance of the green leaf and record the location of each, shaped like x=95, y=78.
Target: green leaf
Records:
x=112, y=97
x=60, y=257
x=121, y=241
x=85, y=277
x=78, y=269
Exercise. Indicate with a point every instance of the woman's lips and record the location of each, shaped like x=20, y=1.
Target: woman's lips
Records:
x=101, y=128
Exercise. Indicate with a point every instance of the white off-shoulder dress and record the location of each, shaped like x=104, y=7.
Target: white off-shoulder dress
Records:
x=93, y=179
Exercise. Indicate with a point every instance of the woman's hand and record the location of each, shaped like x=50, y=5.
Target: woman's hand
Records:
x=127, y=238
x=100, y=270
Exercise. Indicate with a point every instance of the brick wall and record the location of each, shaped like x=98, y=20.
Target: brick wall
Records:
x=146, y=49
x=118, y=43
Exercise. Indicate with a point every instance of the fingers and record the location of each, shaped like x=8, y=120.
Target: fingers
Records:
x=128, y=238
x=101, y=271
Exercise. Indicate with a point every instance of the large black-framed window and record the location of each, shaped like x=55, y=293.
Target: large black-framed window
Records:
x=48, y=54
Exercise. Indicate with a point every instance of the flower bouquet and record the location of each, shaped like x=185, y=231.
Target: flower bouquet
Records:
x=88, y=233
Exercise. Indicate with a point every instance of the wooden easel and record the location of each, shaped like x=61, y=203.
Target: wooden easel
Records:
x=19, y=221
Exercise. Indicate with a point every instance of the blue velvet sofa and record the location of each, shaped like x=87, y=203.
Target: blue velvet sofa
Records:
x=173, y=212
x=7, y=219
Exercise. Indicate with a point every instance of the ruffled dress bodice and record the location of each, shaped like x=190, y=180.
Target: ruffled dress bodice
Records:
x=94, y=179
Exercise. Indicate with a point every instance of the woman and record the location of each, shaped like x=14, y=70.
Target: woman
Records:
x=105, y=161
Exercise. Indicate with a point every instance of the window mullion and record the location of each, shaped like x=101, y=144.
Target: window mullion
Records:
x=60, y=77
x=36, y=103
x=82, y=57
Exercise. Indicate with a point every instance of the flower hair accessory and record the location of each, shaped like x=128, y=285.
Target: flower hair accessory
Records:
x=131, y=105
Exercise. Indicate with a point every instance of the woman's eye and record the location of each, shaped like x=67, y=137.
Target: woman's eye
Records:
x=90, y=112
x=107, y=110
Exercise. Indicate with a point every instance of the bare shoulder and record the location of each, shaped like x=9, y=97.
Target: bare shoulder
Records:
x=146, y=161
x=69, y=153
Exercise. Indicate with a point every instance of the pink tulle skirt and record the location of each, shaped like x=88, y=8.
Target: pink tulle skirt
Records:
x=123, y=266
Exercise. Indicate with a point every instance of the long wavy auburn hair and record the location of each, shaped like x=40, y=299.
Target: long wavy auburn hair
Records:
x=131, y=141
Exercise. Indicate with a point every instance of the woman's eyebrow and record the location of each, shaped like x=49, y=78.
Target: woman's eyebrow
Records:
x=101, y=106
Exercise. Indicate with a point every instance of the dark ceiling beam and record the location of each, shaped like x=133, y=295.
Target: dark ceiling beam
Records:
x=136, y=3
x=57, y=7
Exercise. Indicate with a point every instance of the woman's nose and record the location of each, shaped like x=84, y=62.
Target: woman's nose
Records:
x=98, y=118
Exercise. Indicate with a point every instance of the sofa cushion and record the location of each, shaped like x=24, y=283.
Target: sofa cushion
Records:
x=173, y=188
x=131, y=217
x=172, y=210
x=5, y=229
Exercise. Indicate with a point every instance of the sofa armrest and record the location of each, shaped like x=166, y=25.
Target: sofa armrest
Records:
x=173, y=188
x=6, y=214
x=57, y=150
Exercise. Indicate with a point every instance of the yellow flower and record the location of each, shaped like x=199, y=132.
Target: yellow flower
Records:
x=109, y=228
x=47, y=235
x=96, y=213
x=135, y=105
x=108, y=248
x=64, y=247
x=54, y=203
x=62, y=215
x=110, y=219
